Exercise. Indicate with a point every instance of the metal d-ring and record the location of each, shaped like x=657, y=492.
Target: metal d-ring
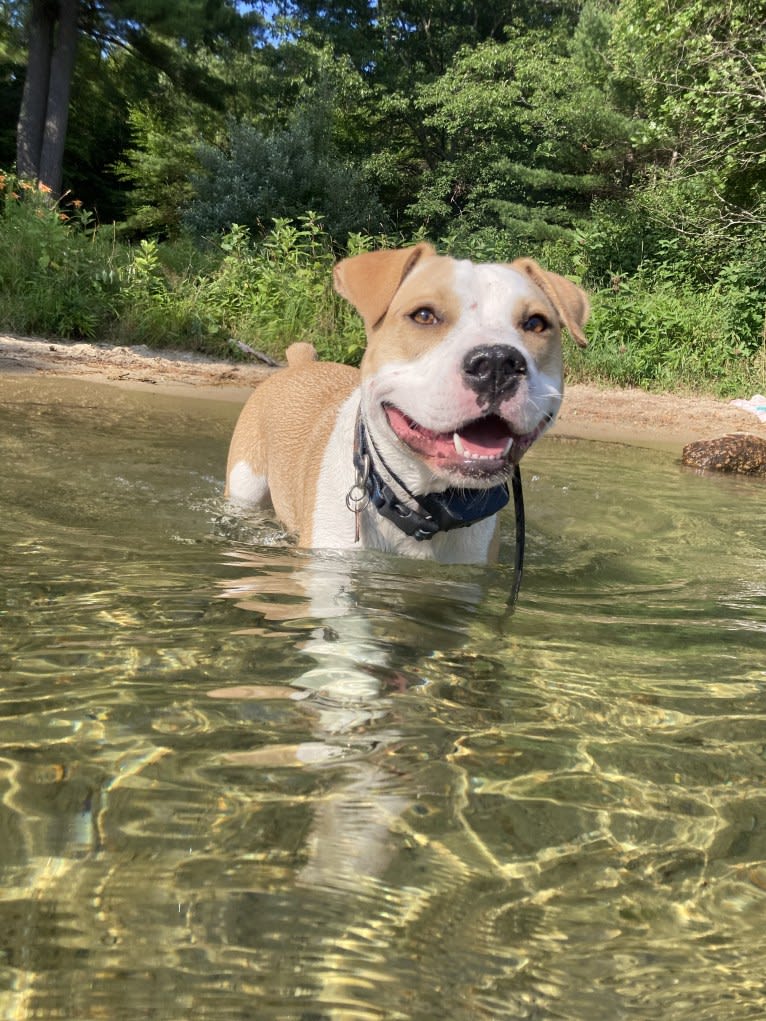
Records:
x=358, y=497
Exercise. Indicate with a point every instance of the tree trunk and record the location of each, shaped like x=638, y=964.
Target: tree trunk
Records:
x=34, y=100
x=59, y=89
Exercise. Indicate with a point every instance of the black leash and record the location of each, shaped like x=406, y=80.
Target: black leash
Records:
x=518, y=558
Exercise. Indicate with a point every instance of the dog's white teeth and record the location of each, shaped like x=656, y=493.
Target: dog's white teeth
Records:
x=459, y=445
x=507, y=447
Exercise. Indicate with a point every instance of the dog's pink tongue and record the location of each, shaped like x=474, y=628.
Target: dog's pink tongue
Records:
x=486, y=437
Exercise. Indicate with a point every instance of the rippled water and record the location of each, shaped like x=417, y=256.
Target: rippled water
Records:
x=241, y=781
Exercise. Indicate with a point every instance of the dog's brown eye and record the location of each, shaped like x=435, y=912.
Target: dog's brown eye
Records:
x=424, y=317
x=536, y=324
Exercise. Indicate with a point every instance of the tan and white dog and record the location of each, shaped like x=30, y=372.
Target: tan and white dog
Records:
x=411, y=453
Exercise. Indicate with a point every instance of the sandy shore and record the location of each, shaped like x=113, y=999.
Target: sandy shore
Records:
x=588, y=412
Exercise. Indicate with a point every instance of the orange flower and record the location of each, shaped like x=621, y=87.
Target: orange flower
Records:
x=26, y=185
x=44, y=188
x=77, y=203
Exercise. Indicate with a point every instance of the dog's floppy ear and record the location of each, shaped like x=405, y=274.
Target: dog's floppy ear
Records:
x=370, y=280
x=567, y=298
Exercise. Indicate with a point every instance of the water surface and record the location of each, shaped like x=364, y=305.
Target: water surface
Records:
x=241, y=781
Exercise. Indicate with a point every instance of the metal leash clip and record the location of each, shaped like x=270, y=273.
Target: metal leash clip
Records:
x=358, y=497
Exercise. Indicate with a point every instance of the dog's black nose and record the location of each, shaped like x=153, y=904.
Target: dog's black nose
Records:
x=494, y=371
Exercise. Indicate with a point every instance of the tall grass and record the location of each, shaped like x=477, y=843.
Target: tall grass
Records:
x=667, y=335
x=58, y=275
x=62, y=275
x=265, y=295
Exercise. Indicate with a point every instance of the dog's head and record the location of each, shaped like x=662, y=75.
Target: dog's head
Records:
x=463, y=365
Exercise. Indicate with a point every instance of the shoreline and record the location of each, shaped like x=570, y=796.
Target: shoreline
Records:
x=589, y=412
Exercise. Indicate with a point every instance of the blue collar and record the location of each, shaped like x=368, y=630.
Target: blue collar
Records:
x=456, y=507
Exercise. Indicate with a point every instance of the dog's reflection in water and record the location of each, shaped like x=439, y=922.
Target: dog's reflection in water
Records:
x=348, y=684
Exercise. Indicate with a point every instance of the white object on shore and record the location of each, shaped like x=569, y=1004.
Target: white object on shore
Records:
x=756, y=404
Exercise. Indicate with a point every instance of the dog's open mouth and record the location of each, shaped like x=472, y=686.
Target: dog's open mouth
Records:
x=482, y=446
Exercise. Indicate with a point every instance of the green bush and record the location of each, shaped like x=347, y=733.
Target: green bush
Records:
x=160, y=308
x=57, y=273
x=281, y=290
x=261, y=178
x=266, y=295
x=667, y=335
x=62, y=276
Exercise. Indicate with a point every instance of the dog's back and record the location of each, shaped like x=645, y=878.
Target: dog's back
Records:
x=277, y=446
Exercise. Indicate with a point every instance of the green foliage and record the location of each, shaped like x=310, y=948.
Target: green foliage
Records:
x=528, y=140
x=265, y=295
x=62, y=276
x=665, y=334
x=282, y=290
x=56, y=273
x=415, y=40
x=699, y=70
x=157, y=164
x=261, y=178
x=12, y=62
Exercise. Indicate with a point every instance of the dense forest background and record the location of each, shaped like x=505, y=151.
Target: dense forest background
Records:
x=200, y=164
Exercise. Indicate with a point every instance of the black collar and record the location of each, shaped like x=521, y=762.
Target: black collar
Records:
x=435, y=512
x=439, y=512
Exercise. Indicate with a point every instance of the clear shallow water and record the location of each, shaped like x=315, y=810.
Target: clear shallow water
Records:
x=243, y=781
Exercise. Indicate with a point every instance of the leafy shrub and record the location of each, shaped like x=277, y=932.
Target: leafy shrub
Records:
x=657, y=327
x=157, y=307
x=266, y=295
x=281, y=291
x=156, y=166
x=57, y=272
x=263, y=178
x=665, y=335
